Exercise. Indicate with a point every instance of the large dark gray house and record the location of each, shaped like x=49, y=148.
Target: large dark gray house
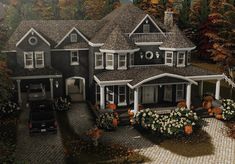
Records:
x=128, y=57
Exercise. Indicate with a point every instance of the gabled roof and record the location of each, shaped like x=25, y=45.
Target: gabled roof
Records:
x=176, y=40
x=117, y=41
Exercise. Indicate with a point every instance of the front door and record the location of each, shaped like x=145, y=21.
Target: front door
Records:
x=168, y=93
x=148, y=94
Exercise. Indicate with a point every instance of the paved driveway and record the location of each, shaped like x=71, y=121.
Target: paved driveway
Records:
x=38, y=149
x=224, y=147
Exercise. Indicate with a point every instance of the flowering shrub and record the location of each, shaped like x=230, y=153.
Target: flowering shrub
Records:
x=62, y=104
x=168, y=125
x=228, y=109
x=107, y=120
x=9, y=108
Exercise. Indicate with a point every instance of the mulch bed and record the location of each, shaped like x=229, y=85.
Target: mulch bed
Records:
x=231, y=129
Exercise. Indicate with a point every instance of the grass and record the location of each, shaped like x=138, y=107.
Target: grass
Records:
x=8, y=136
x=80, y=149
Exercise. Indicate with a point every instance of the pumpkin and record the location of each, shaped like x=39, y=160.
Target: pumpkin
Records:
x=217, y=111
x=188, y=129
x=206, y=104
x=112, y=106
x=182, y=104
x=209, y=110
x=130, y=113
x=208, y=98
x=219, y=116
x=115, y=122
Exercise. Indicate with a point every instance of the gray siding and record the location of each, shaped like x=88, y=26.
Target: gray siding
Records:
x=24, y=46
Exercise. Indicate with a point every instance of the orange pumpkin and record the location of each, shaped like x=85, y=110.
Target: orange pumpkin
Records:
x=219, y=117
x=130, y=113
x=208, y=98
x=182, y=104
x=188, y=129
x=112, y=106
x=209, y=110
x=217, y=111
x=115, y=122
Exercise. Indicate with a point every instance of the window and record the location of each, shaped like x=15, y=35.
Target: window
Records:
x=181, y=59
x=28, y=59
x=33, y=40
x=122, y=61
x=97, y=88
x=39, y=59
x=169, y=58
x=179, y=92
x=99, y=60
x=109, y=61
x=146, y=28
x=110, y=94
x=189, y=58
x=132, y=60
x=121, y=95
x=74, y=58
x=73, y=38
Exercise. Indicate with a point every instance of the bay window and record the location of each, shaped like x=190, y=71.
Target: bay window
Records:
x=180, y=59
x=122, y=61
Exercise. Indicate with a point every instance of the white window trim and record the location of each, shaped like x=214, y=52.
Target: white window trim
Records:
x=71, y=62
x=97, y=93
x=189, y=56
x=177, y=89
x=112, y=94
x=124, y=67
x=102, y=65
x=28, y=66
x=112, y=66
x=35, y=58
x=180, y=65
x=73, y=35
x=170, y=64
x=121, y=103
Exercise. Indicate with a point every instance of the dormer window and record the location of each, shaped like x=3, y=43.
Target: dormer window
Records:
x=109, y=61
x=169, y=58
x=73, y=38
x=74, y=57
x=39, y=59
x=122, y=61
x=180, y=59
x=146, y=28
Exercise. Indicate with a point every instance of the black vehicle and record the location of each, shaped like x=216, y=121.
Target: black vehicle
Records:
x=42, y=117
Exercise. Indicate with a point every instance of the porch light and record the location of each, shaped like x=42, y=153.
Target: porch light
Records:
x=160, y=86
x=56, y=84
x=141, y=55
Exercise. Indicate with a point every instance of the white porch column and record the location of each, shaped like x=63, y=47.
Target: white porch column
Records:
x=188, y=95
x=19, y=92
x=51, y=87
x=102, y=101
x=217, y=90
x=136, y=100
x=201, y=89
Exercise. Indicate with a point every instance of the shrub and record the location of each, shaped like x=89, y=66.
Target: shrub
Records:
x=228, y=109
x=168, y=125
x=9, y=108
x=107, y=121
x=62, y=104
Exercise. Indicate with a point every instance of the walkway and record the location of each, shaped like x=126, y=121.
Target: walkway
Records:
x=38, y=149
x=224, y=147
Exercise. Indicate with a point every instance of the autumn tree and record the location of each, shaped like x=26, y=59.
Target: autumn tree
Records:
x=184, y=14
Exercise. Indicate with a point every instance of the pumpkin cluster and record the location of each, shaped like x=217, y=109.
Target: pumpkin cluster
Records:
x=213, y=110
x=108, y=120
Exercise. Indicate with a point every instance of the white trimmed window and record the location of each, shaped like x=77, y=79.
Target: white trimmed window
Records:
x=180, y=59
x=110, y=94
x=39, y=59
x=28, y=59
x=97, y=88
x=169, y=58
x=179, y=92
x=109, y=61
x=146, y=28
x=73, y=37
x=189, y=58
x=132, y=60
x=74, y=58
x=122, y=61
x=122, y=95
x=99, y=60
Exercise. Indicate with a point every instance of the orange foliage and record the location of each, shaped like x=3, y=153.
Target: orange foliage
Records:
x=182, y=104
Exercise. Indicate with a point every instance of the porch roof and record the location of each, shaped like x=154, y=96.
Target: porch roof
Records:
x=135, y=76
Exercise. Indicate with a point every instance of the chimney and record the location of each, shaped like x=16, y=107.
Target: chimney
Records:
x=168, y=18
